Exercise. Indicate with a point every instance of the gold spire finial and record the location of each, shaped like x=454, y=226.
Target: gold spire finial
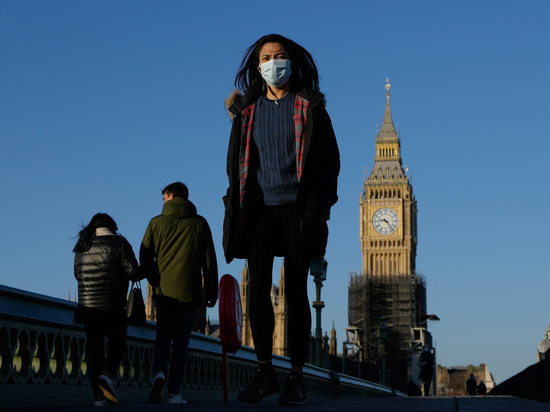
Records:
x=387, y=86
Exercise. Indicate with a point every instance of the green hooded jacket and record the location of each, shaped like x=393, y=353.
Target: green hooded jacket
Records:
x=180, y=241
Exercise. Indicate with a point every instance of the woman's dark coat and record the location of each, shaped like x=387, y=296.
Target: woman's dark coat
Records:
x=317, y=187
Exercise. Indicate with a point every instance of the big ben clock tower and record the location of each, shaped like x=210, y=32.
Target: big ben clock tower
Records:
x=388, y=208
x=387, y=300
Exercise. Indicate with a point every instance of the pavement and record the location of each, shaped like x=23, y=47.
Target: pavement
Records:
x=416, y=404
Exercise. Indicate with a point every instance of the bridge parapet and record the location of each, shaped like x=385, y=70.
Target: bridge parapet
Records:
x=43, y=360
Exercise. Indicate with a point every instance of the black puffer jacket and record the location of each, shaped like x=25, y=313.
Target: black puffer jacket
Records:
x=102, y=274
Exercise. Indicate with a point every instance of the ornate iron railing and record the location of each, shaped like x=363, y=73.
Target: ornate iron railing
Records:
x=43, y=360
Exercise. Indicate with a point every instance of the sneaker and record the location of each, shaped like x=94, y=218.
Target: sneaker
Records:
x=106, y=385
x=294, y=392
x=263, y=384
x=175, y=398
x=99, y=400
x=155, y=396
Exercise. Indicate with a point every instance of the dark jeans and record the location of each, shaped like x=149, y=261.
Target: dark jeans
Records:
x=174, y=324
x=272, y=237
x=96, y=330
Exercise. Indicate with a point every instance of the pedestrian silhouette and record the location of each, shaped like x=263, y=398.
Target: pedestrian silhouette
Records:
x=471, y=385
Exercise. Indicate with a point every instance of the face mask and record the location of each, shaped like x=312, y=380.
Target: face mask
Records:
x=276, y=72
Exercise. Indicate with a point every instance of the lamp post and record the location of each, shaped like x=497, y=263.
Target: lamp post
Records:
x=318, y=269
x=409, y=364
x=383, y=337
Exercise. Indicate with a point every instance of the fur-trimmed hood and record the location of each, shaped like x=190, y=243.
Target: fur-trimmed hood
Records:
x=230, y=100
x=254, y=93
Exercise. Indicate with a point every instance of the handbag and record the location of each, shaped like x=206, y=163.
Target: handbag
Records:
x=135, y=307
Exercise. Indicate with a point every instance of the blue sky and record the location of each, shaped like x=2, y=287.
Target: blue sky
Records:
x=104, y=103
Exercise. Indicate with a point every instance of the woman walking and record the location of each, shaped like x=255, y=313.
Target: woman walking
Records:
x=283, y=163
x=104, y=262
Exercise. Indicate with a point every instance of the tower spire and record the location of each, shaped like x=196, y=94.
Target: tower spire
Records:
x=387, y=147
x=388, y=129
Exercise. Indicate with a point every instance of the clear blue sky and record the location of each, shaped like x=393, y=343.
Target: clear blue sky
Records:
x=103, y=103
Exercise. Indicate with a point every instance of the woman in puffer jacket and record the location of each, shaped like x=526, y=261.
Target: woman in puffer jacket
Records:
x=104, y=263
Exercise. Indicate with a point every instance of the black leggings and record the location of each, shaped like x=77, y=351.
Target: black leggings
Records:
x=272, y=237
x=96, y=330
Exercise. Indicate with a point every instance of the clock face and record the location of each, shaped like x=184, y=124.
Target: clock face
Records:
x=385, y=221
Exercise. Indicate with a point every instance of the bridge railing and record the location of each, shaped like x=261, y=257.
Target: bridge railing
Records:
x=531, y=383
x=43, y=360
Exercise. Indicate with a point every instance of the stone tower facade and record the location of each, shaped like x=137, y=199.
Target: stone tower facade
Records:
x=278, y=299
x=388, y=208
x=387, y=300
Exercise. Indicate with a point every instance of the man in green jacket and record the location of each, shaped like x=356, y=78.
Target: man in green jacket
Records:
x=179, y=243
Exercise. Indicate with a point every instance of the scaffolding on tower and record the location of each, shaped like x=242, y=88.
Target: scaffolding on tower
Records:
x=400, y=298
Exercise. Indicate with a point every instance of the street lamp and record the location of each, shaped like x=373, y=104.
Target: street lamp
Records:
x=383, y=337
x=409, y=364
x=318, y=269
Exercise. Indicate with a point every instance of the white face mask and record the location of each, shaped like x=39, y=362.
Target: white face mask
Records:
x=276, y=72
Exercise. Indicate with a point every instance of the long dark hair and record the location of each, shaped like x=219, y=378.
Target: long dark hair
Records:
x=304, y=71
x=87, y=233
